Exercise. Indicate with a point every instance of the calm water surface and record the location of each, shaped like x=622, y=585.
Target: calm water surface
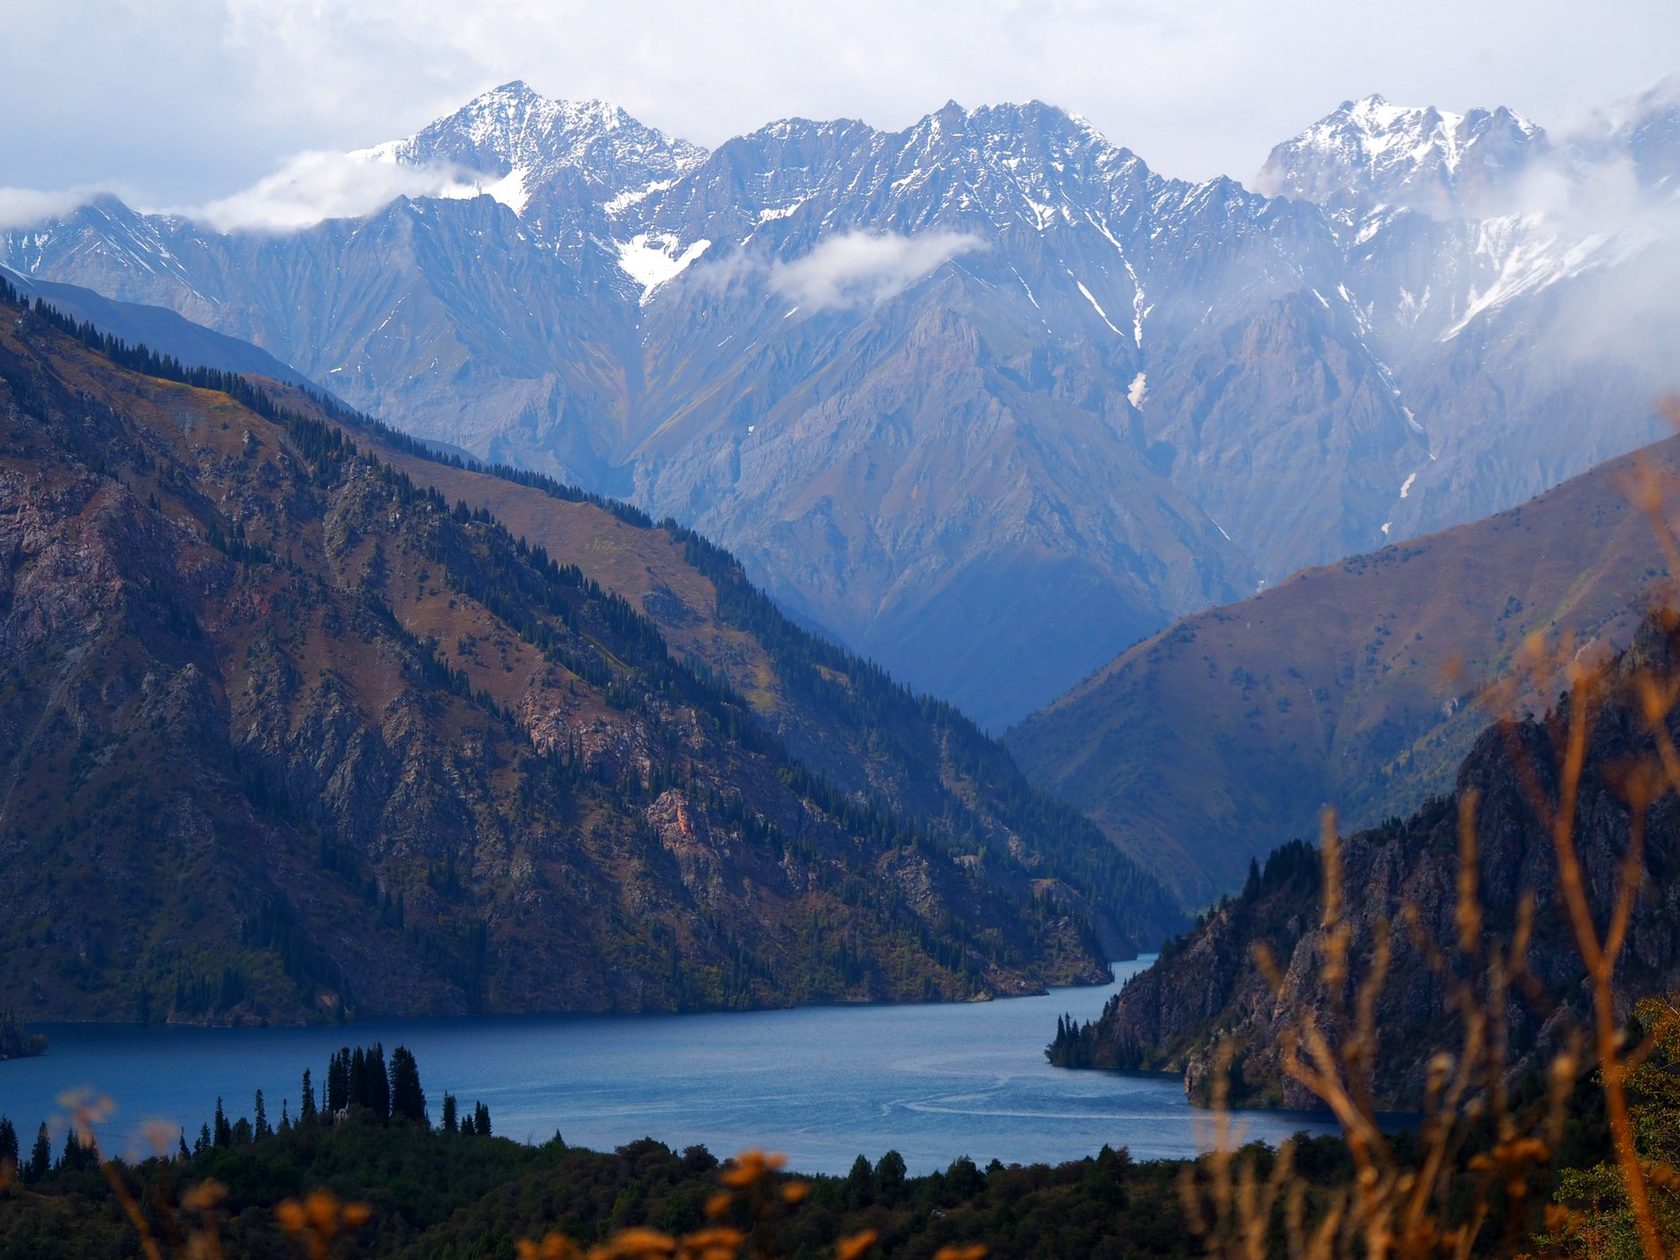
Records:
x=823, y=1084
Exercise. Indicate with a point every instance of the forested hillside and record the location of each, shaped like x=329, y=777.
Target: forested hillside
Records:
x=286, y=734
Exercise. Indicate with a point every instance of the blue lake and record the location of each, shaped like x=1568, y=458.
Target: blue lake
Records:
x=822, y=1084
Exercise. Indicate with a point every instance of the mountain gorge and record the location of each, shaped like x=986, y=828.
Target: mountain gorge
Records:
x=987, y=398
x=289, y=732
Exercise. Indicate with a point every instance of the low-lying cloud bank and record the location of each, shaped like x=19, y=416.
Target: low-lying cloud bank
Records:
x=862, y=268
x=316, y=186
x=308, y=189
x=25, y=207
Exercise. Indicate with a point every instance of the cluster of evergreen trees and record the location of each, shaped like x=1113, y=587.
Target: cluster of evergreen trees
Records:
x=1075, y=1044
x=16, y=1041
x=40, y=1161
x=360, y=1084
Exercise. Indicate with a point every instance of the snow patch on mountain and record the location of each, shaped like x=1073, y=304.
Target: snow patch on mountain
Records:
x=1097, y=307
x=1526, y=255
x=653, y=259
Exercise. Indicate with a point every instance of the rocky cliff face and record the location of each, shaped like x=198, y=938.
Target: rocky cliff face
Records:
x=285, y=734
x=1206, y=989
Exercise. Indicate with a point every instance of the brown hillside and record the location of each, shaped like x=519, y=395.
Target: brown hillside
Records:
x=284, y=734
x=1221, y=737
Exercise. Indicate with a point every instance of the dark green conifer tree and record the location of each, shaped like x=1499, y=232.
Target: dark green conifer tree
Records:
x=859, y=1188
x=261, y=1128
x=338, y=1082
x=378, y=1083
x=890, y=1176
x=408, y=1099
x=78, y=1156
x=306, y=1108
x=481, y=1120
x=222, y=1134
x=8, y=1145
x=40, y=1157
x=358, y=1078
x=451, y=1117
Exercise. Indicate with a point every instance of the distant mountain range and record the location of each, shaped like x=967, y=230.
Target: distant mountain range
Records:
x=160, y=330
x=988, y=398
x=299, y=720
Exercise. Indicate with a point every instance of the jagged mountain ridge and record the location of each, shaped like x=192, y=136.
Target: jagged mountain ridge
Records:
x=407, y=764
x=1369, y=153
x=530, y=144
x=1207, y=991
x=1173, y=389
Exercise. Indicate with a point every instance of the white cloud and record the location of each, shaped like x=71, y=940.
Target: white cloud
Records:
x=311, y=187
x=25, y=207
x=211, y=94
x=860, y=268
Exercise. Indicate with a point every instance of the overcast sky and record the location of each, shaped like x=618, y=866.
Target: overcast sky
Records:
x=178, y=101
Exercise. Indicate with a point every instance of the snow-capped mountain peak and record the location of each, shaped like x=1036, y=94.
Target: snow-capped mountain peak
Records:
x=521, y=141
x=1372, y=152
x=1643, y=130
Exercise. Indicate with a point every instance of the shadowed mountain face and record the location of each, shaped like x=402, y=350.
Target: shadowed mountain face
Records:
x=287, y=732
x=987, y=397
x=161, y=331
x=1207, y=990
x=1223, y=736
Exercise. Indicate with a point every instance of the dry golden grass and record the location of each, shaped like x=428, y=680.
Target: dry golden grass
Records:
x=1413, y=1204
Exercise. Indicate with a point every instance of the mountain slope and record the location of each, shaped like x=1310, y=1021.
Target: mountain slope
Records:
x=285, y=734
x=158, y=329
x=1206, y=988
x=839, y=714
x=1221, y=737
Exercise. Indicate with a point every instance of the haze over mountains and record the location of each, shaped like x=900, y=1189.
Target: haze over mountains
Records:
x=1351, y=685
x=987, y=399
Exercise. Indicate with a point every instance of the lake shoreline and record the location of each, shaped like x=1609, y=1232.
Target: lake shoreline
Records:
x=933, y=1081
